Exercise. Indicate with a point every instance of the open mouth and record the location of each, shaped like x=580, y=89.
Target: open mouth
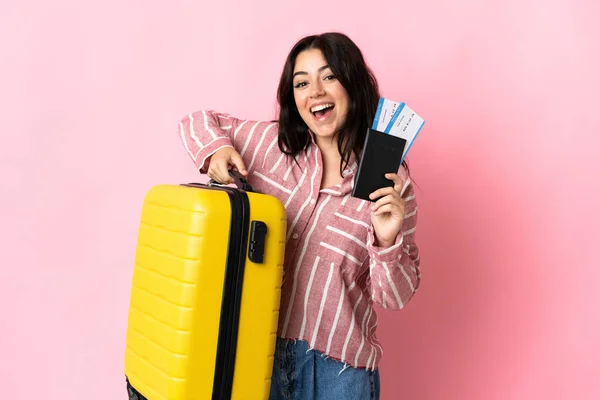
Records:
x=322, y=110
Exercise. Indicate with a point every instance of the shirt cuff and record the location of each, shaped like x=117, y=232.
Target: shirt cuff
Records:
x=387, y=254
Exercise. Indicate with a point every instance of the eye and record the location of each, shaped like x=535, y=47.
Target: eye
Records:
x=299, y=85
x=330, y=77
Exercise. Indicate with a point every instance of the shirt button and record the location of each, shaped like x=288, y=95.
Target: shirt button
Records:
x=295, y=236
x=312, y=201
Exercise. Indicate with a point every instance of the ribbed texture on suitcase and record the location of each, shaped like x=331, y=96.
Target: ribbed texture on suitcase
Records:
x=176, y=297
x=162, y=299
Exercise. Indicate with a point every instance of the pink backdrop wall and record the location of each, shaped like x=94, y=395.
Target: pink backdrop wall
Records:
x=90, y=97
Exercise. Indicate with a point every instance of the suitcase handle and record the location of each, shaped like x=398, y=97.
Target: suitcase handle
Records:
x=238, y=179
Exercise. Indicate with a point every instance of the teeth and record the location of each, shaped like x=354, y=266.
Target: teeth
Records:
x=320, y=107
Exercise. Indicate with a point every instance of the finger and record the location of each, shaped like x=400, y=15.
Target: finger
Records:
x=238, y=162
x=210, y=175
x=212, y=171
x=389, y=199
x=398, y=182
x=396, y=210
x=387, y=208
x=380, y=202
x=224, y=176
x=388, y=190
x=222, y=172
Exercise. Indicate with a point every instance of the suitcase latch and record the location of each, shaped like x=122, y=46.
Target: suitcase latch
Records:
x=258, y=234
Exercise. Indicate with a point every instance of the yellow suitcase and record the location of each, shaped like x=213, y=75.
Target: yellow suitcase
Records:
x=205, y=293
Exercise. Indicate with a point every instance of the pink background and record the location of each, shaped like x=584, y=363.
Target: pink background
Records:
x=91, y=94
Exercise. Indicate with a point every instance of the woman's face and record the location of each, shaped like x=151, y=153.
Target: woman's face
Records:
x=321, y=99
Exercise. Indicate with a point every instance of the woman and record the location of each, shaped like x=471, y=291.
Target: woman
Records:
x=343, y=255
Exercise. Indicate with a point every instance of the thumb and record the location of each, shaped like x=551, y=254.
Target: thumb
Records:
x=236, y=159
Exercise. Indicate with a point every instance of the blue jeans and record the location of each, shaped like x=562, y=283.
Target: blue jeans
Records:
x=299, y=374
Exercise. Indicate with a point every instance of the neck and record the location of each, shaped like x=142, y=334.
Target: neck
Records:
x=329, y=152
x=331, y=162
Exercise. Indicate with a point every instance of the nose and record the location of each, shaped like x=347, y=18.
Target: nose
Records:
x=317, y=89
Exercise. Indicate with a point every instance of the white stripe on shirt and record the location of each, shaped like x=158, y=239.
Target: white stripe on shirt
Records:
x=298, y=186
x=299, y=264
x=193, y=133
x=272, y=182
x=337, y=314
x=337, y=214
x=351, y=327
x=362, y=333
x=207, y=127
x=392, y=285
x=341, y=252
x=249, y=139
x=307, y=294
x=277, y=163
x=238, y=129
x=299, y=214
x=322, y=306
x=262, y=138
x=273, y=143
x=347, y=235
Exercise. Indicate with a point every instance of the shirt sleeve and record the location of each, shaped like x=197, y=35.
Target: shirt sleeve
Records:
x=205, y=132
x=394, y=272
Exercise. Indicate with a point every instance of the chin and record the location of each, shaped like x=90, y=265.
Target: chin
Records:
x=323, y=132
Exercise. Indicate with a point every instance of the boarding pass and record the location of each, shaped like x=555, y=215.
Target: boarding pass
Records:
x=397, y=119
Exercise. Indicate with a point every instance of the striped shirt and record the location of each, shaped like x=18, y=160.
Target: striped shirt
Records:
x=334, y=273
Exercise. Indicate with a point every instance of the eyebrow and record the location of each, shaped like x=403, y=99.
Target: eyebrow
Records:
x=306, y=73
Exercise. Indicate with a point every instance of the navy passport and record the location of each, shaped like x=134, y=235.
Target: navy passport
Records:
x=381, y=154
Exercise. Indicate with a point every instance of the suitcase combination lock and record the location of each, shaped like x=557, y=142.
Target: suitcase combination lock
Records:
x=258, y=234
